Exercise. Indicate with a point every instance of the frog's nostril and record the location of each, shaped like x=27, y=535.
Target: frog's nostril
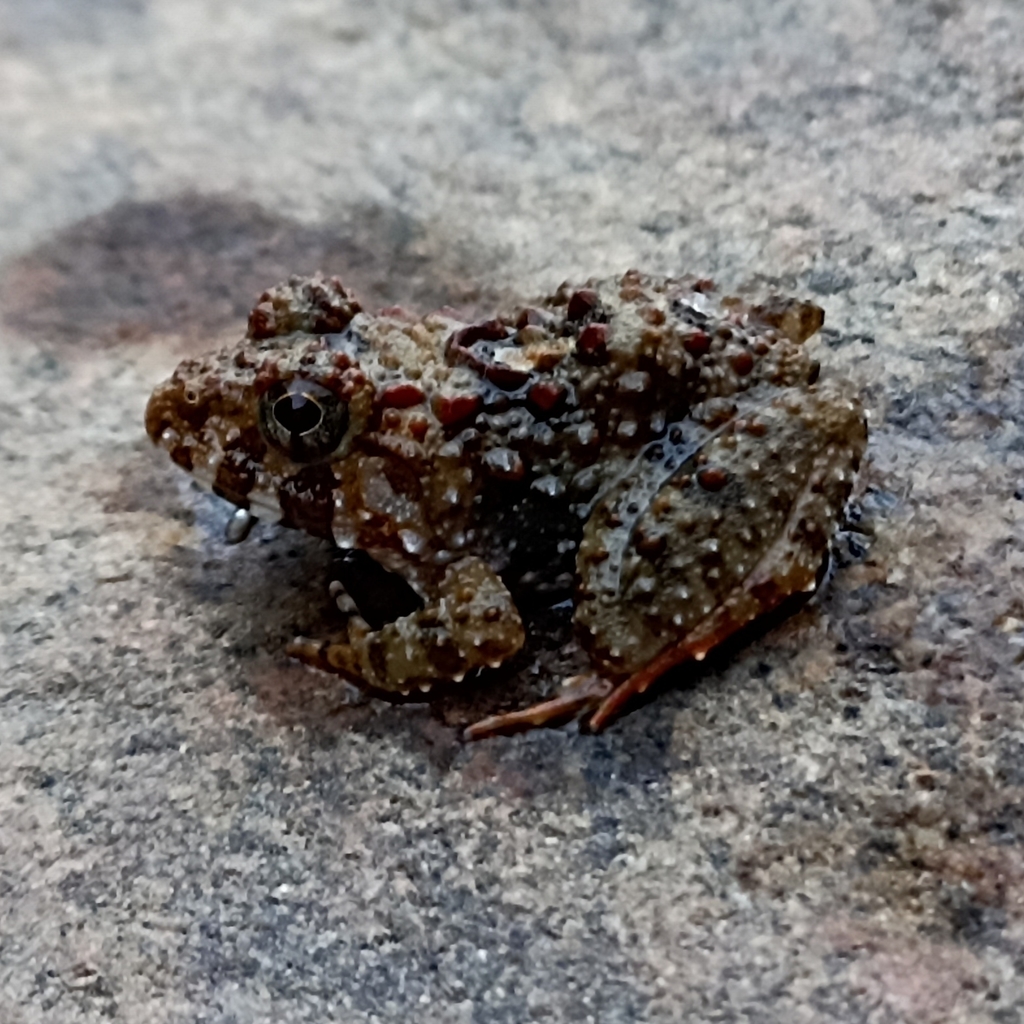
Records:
x=298, y=413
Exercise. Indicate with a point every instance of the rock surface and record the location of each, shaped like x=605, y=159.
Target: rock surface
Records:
x=826, y=825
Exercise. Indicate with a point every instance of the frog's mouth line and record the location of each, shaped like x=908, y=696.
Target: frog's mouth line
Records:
x=260, y=505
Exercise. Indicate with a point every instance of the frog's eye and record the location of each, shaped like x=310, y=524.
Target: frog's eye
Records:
x=303, y=420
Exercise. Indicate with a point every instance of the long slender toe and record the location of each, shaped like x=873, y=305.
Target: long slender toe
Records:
x=580, y=695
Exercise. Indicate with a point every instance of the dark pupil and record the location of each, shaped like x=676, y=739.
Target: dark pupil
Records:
x=297, y=414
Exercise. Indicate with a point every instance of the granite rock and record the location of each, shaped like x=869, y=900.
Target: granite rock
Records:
x=824, y=825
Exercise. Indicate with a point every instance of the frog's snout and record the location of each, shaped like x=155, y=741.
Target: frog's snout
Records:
x=158, y=409
x=175, y=412
x=181, y=404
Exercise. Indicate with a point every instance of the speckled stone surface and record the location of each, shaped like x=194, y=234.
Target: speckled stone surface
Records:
x=825, y=825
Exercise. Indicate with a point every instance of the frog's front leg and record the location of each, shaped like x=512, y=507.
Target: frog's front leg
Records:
x=470, y=623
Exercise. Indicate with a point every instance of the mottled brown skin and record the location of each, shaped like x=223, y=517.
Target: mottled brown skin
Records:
x=662, y=455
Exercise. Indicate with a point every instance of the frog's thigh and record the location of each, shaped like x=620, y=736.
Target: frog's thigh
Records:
x=706, y=546
x=471, y=623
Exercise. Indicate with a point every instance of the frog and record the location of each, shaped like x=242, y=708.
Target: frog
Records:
x=658, y=455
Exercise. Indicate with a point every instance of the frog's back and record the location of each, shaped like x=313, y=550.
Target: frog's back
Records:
x=576, y=392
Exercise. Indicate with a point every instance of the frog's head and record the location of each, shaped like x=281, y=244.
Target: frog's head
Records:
x=263, y=423
x=274, y=423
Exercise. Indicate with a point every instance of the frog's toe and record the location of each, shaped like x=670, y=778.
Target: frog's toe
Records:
x=310, y=652
x=580, y=695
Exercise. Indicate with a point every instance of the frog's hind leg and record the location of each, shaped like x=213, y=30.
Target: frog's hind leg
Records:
x=580, y=695
x=671, y=567
x=739, y=611
x=597, y=702
x=760, y=596
x=472, y=623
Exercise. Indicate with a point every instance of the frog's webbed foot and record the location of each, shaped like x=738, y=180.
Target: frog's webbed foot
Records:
x=580, y=695
x=472, y=623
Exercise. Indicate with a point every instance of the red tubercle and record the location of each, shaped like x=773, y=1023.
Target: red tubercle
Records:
x=401, y=396
x=452, y=409
x=267, y=376
x=697, y=344
x=343, y=383
x=713, y=478
x=592, y=344
x=743, y=363
x=546, y=395
x=582, y=303
x=418, y=426
x=508, y=378
x=262, y=321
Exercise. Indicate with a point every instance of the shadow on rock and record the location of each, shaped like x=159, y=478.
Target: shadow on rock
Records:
x=194, y=265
